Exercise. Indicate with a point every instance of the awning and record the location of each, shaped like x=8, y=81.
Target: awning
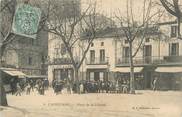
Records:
x=169, y=69
x=37, y=76
x=127, y=69
x=14, y=72
x=97, y=66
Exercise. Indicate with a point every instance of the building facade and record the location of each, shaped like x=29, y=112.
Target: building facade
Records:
x=60, y=65
x=100, y=59
x=96, y=63
x=96, y=66
x=27, y=55
x=108, y=59
x=158, y=57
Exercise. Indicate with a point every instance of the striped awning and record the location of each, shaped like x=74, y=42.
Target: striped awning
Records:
x=14, y=72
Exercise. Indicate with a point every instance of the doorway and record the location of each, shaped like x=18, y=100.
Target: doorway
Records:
x=96, y=76
x=148, y=80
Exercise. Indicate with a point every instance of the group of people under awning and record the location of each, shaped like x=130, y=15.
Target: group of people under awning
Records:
x=168, y=78
x=16, y=82
x=164, y=77
x=29, y=86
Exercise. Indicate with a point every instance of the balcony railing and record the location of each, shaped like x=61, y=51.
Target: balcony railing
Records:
x=97, y=61
x=173, y=58
x=61, y=61
x=150, y=60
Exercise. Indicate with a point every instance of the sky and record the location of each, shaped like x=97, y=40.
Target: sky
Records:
x=111, y=8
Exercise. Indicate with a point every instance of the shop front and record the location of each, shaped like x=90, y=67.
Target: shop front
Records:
x=122, y=75
x=11, y=77
x=62, y=74
x=97, y=75
x=169, y=78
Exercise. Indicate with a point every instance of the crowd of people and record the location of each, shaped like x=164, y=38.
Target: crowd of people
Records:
x=40, y=85
x=28, y=86
x=91, y=86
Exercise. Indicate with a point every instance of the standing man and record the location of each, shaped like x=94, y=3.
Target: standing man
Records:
x=154, y=83
x=81, y=88
x=68, y=83
x=19, y=90
x=28, y=88
x=32, y=85
x=117, y=87
x=13, y=85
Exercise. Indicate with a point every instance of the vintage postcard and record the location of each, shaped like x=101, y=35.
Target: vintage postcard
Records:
x=90, y=58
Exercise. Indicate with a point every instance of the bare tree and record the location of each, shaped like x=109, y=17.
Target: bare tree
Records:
x=7, y=38
x=74, y=28
x=173, y=7
x=135, y=30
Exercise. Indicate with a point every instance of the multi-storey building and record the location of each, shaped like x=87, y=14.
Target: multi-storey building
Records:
x=159, y=56
x=99, y=59
x=108, y=59
x=60, y=65
x=27, y=55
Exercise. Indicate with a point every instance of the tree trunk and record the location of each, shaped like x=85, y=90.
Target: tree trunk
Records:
x=3, y=99
x=76, y=79
x=179, y=25
x=132, y=80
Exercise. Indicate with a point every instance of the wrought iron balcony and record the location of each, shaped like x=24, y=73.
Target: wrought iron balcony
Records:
x=151, y=60
x=173, y=59
x=97, y=61
x=144, y=60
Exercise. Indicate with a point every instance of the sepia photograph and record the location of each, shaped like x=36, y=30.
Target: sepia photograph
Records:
x=90, y=58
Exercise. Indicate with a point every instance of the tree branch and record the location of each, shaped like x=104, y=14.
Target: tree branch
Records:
x=167, y=6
